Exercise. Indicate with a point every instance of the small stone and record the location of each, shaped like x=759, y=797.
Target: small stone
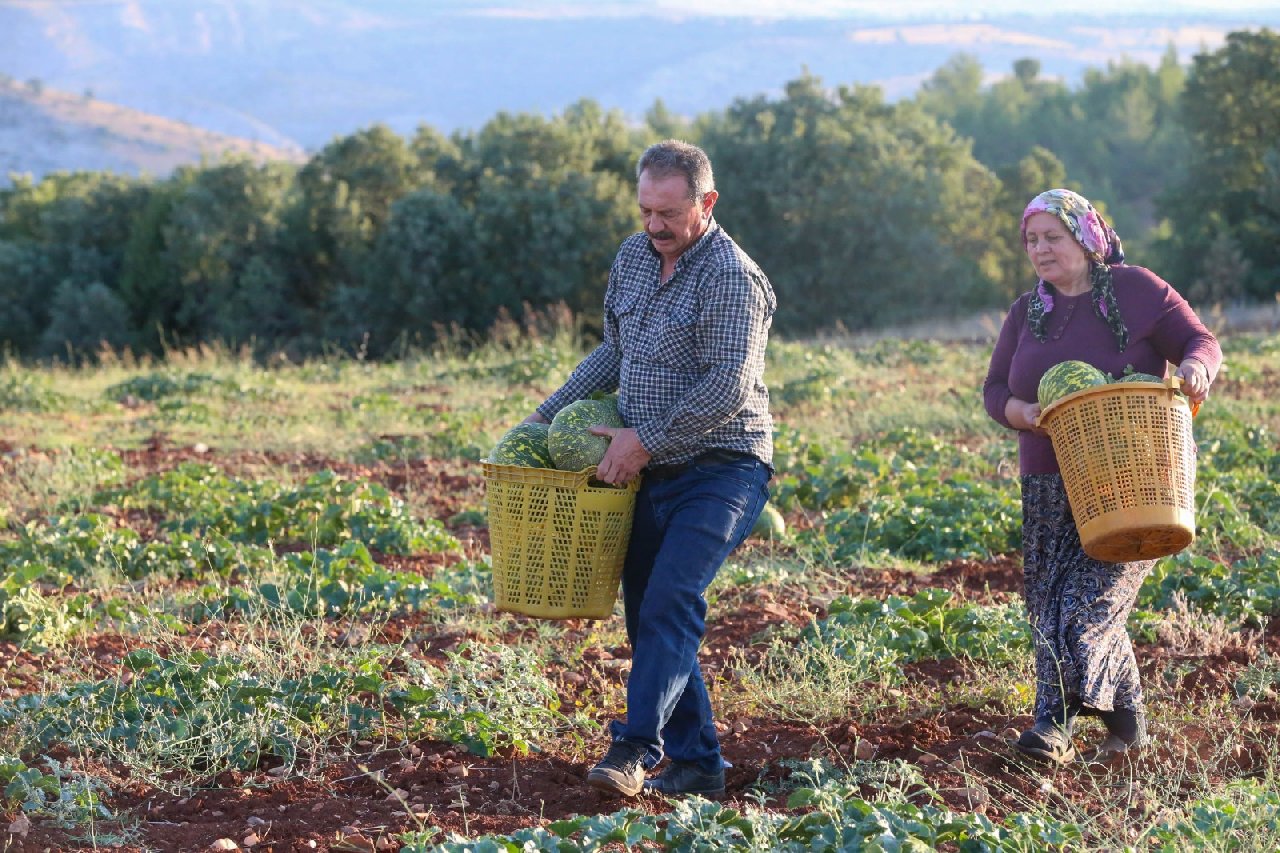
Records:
x=459, y=770
x=1244, y=703
x=250, y=840
x=987, y=733
x=976, y=796
x=928, y=759
x=1010, y=734
x=200, y=447
x=494, y=785
x=224, y=844
x=865, y=750
x=256, y=821
x=21, y=825
x=356, y=841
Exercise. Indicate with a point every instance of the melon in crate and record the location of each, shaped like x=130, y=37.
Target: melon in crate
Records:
x=572, y=447
x=1067, y=377
x=1141, y=377
x=524, y=445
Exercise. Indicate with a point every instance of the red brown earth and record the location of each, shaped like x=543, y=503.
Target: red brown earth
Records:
x=959, y=749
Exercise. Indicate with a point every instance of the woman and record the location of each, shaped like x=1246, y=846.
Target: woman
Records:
x=1088, y=305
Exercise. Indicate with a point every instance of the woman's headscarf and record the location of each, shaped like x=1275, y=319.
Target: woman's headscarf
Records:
x=1101, y=246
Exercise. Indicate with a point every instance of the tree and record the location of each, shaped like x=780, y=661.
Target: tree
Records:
x=23, y=299
x=1222, y=273
x=1231, y=110
x=82, y=319
x=1038, y=171
x=860, y=212
x=69, y=228
x=344, y=198
x=954, y=89
x=207, y=234
x=425, y=270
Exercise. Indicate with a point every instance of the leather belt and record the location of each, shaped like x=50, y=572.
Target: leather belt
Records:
x=712, y=457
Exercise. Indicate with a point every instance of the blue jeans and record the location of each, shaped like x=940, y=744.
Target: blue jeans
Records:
x=683, y=530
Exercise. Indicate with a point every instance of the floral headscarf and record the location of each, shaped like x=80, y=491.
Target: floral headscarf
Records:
x=1101, y=246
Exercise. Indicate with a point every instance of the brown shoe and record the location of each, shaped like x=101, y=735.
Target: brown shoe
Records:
x=1114, y=749
x=620, y=772
x=1046, y=741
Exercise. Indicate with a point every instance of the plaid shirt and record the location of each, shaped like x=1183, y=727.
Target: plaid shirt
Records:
x=687, y=356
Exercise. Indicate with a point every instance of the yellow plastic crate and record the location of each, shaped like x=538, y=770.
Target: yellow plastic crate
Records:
x=558, y=542
x=1128, y=463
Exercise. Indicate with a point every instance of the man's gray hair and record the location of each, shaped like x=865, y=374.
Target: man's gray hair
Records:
x=673, y=157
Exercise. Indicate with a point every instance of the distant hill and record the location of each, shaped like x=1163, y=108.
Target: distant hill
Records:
x=299, y=73
x=43, y=130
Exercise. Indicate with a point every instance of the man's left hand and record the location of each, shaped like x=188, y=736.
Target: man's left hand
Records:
x=624, y=459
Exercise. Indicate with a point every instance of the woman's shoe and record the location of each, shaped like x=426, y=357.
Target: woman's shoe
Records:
x=1113, y=748
x=1048, y=741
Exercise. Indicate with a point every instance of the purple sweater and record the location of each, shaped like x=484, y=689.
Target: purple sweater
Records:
x=1162, y=329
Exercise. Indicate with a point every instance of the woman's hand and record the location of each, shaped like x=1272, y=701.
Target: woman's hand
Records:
x=1022, y=415
x=1195, y=380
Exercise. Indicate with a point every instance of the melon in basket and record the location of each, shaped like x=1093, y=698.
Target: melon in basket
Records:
x=1067, y=377
x=524, y=445
x=572, y=447
x=1140, y=377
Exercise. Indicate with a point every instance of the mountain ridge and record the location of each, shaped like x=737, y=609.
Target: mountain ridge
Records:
x=45, y=130
x=297, y=74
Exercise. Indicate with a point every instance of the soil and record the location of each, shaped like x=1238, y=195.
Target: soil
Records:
x=361, y=802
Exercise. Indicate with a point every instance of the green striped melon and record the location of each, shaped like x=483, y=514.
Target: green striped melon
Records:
x=1141, y=377
x=770, y=524
x=524, y=445
x=572, y=447
x=1067, y=377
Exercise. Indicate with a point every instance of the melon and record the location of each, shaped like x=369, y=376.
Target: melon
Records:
x=524, y=445
x=1141, y=377
x=770, y=524
x=572, y=447
x=1067, y=377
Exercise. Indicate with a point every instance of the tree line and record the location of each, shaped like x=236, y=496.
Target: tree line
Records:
x=861, y=211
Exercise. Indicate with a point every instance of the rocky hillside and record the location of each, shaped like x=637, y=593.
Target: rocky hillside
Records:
x=43, y=130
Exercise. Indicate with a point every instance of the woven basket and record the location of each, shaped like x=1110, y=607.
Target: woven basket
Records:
x=1128, y=462
x=558, y=542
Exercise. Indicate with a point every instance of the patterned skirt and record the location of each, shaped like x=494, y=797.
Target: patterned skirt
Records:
x=1078, y=607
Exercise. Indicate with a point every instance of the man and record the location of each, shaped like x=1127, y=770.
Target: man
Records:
x=686, y=321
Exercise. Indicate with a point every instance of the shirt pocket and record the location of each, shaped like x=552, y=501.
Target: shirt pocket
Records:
x=675, y=340
x=629, y=318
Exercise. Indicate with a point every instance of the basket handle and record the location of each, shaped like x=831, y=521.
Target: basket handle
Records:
x=1174, y=383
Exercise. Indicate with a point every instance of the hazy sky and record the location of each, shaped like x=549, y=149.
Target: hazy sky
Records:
x=893, y=9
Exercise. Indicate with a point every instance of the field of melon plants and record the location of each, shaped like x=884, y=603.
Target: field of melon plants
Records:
x=248, y=607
